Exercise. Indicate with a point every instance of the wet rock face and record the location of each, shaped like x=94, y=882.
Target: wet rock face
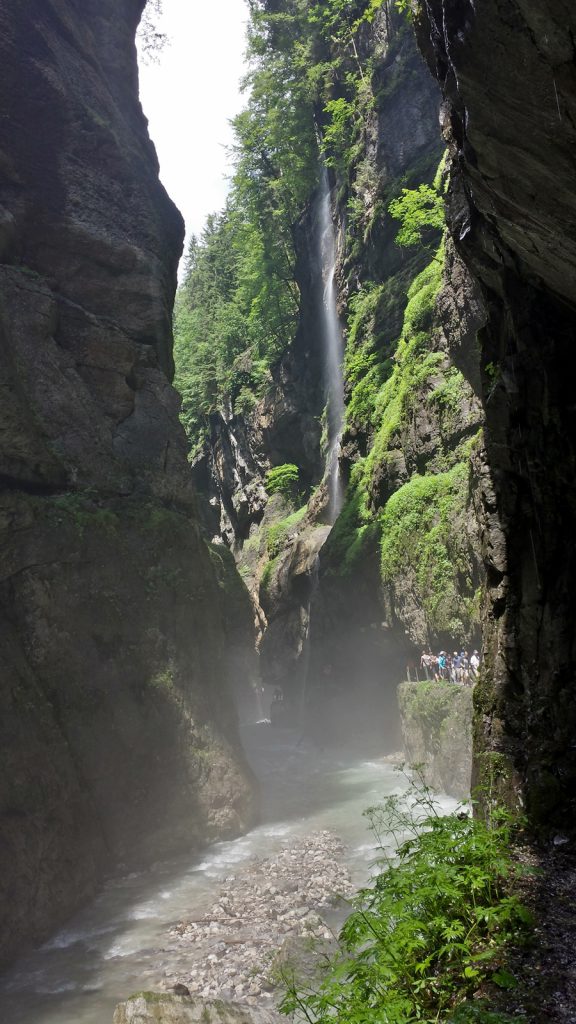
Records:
x=117, y=734
x=509, y=80
x=436, y=721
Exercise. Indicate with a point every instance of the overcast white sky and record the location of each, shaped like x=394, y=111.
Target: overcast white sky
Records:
x=189, y=99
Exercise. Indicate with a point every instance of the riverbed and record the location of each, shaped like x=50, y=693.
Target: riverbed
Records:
x=125, y=940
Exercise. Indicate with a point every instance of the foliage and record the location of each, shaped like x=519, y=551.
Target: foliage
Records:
x=421, y=528
x=232, y=316
x=267, y=576
x=414, y=363
x=151, y=41
x=355, y=532
x=308, y=92
x=423, y=536
x=432, y=706
x=282, y=479
x=280, y=532
x=433, y=926
x=365, y=369
x=420, y=210
x=447, y=396
x=405, y=7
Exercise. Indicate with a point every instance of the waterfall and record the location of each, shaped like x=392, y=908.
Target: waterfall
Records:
x=333, y=351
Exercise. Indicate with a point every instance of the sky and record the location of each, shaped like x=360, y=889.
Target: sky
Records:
x=189, y=98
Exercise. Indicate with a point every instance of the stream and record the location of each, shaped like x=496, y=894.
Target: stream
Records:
x=120, y=943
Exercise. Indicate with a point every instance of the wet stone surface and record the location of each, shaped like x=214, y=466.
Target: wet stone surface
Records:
x=231, y=951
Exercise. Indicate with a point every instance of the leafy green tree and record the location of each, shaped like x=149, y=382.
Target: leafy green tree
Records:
x=308, y=90
x=419, y=210
x=150, y=39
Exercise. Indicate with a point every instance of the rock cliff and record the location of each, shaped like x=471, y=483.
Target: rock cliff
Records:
x=509, y=81
x=436, y=721
x=117, y=729
x=341, y=611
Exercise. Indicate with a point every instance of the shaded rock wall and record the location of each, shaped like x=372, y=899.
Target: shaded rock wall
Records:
x=509, y=79
x=118, y=735
x=436, y=721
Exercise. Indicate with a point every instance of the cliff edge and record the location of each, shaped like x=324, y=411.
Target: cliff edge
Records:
x=117, y=730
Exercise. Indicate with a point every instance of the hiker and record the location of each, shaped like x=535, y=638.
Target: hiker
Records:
x=442, y=665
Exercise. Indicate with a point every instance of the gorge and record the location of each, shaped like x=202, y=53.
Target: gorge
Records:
x=368, y=450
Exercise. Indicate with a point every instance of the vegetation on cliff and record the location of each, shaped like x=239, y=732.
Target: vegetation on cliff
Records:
x=317, y=92
x=412, y=509
x=311, y=85
x=431, y=930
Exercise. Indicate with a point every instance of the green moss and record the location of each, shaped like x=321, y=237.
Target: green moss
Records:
x=81, y=510
x=377, y=315
x=283, y=479
x=448, y=395
x=267, y=574
x=495, y=776
x=422, y=535
x=152, y=997
x=354, y=533
x=280, y=532
x=224, y=567
x=164, y=681
x=414, y=363
x=366, y=365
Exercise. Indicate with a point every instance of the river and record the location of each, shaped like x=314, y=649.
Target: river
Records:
x=115, y=946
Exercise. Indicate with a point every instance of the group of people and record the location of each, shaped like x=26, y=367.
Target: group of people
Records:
x=458, y=668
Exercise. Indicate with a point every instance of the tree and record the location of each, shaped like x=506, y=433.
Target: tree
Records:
x=151, y=40
x=420, y=210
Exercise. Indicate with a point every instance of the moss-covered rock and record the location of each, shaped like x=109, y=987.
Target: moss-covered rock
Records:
x=436, y=720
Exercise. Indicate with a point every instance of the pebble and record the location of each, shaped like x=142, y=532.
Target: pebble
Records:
x=229, y=951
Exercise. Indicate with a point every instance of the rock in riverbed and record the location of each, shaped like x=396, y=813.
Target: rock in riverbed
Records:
x=152, y=1008
x=227, y=952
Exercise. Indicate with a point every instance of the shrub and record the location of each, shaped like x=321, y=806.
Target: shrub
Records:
x=283, y=479
x=432, y=927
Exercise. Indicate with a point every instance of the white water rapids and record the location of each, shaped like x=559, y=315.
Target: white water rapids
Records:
x=116, y=945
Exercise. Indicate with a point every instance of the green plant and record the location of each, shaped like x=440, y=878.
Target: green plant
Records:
x=283, y=479
x=422, y=539
x=420, y=210
x=280, y=532
x=434, y=925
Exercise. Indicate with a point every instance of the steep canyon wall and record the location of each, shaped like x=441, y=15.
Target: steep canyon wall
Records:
x=118, y=734
x=508, y=75
x=340, y=611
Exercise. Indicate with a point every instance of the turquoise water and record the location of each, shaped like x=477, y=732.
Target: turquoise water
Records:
x=116, y=945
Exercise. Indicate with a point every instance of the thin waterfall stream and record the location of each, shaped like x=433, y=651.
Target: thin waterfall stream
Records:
x=333, y=354
x=333, y=349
